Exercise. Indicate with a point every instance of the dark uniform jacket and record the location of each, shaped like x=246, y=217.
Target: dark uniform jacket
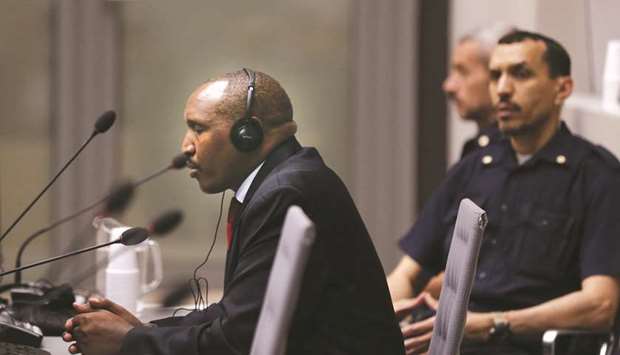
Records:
x=553, y=220
x=344, y=305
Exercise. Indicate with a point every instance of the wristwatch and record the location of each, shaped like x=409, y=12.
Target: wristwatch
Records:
x=501, y=327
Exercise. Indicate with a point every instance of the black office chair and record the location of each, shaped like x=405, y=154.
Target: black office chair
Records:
x=284, y=283
x=471, y=221
x=579, y=342
x=582, y=342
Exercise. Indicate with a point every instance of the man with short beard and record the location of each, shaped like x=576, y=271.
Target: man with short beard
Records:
x=549, y=254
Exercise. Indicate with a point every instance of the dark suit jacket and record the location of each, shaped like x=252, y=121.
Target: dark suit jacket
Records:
x=344, y=305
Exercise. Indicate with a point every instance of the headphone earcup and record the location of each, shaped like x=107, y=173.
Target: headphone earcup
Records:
x=246, y=134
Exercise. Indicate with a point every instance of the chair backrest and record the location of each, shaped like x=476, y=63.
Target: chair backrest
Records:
x=459, y=276
x=282, y=292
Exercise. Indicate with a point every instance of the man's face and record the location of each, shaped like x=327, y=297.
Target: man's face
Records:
x=524, y=95
x=468, y=82
x=214, y=161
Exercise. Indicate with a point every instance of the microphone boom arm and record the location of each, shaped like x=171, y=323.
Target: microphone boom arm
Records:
x=45, y=261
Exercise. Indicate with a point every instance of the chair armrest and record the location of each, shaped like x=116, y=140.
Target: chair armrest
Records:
x=574, y=341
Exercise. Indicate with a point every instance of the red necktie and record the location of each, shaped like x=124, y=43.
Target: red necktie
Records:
x=233, y=213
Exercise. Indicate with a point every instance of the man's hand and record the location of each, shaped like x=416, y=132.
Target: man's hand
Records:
x=96, y=333
x=404, y=307
x=96, y=303
x=99, y=328
x=417, y=335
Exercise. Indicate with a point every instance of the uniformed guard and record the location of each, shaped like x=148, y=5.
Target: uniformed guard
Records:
x=549, y=258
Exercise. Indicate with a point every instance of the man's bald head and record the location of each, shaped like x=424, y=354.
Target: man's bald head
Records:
x=271, y=104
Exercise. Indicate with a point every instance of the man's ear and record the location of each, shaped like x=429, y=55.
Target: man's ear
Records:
x=564, y=89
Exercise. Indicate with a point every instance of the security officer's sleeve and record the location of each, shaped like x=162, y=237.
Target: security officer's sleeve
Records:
x=424, y=241
x=601, y=235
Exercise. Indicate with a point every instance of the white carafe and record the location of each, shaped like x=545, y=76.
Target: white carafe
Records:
x=124, y=279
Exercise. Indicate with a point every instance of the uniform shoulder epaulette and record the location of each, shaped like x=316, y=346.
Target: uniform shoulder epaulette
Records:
x=601, y=152
x=608, y=157
x=488, y=156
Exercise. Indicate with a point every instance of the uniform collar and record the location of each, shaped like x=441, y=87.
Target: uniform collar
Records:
x=488, y=135
x=560, y=150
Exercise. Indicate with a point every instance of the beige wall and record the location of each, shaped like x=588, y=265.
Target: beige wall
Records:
x=584, y=27
x=24, y=122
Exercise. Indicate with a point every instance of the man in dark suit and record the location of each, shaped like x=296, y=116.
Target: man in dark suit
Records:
x=241, y=137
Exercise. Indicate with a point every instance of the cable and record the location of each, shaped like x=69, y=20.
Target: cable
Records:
x=200, y=301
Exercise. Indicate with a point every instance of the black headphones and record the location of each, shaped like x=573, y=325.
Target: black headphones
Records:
x=246, y=133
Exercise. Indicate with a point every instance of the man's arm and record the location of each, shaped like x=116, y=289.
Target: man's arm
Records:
x=402, y=278
x=239, y=309
x=226, y=327
x=423, y=243
x=593, y=307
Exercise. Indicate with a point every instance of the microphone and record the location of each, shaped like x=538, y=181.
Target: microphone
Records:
x=180, y=161
x=116, y=201
x=104, y=122
x=177, y=163
x=131, y=236
x=166, y=222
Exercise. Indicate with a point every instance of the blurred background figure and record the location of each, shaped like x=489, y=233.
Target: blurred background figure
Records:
x=467, y=85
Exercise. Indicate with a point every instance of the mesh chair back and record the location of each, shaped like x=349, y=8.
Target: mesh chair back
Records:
x=284, y=282
x=459, y=276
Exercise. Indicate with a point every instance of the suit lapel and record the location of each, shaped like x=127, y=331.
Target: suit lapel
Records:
x=275, y=158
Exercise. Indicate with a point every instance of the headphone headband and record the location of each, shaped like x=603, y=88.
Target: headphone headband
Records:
x=251, y=87
x=246, y=133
